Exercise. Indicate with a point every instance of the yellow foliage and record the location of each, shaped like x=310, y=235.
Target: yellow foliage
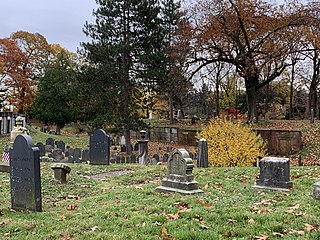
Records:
x=232, y=144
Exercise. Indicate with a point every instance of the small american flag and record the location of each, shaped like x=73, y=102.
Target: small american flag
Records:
x=6, y=154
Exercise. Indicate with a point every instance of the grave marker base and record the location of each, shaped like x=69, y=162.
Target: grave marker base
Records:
x=270, y=188
x=176, y=190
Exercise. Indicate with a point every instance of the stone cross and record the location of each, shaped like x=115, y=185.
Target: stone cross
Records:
x=25, y=178
x=99, y=151
x=143, y=148
x=274, y=174
x=179, y=177
x=202, y=160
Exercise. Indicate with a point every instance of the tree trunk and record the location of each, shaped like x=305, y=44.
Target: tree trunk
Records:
x=171, y=108
x=217, y=99
x=251, y=84
x=127, y=138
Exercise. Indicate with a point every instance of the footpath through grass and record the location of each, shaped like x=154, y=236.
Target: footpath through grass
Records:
x=128, y=207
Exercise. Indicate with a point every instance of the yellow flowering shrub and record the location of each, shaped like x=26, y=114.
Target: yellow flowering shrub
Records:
x=232, y=144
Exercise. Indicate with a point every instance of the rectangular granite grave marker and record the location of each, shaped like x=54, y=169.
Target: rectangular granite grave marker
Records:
x=179, y=177
x=99, y=151
x=274, y=174
x=25, y=179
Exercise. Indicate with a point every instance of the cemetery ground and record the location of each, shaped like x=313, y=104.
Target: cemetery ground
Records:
x=128, y=207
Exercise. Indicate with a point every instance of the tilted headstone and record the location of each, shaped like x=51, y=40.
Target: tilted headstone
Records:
x=143, y=148
x=99, y=148
x=77, y=155
x=85, y=155
x=41, y=149
x=61, y=145
x=50, y=141
x=274, y=174
x=202, y=161
x=179, y=177
x=25, y=178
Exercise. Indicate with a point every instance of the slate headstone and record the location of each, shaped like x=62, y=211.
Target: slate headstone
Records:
x=41, y=149
x=57, y=154
x=156, y=157
x=77, y=155
x=274, y=174
x=143, y=148
x=123, y=148
x=202, y=161
x=85, y=155
x=179, y=177
x=48, y=148
x=61, y=145
x=99, y=148
x=25, y=178
x=50, y=141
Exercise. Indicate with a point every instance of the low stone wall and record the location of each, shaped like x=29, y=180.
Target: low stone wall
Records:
x=281, y=142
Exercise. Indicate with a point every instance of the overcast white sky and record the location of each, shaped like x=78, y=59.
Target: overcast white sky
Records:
x=59, y=21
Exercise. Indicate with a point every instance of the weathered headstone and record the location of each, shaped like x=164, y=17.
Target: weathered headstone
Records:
x=316, y=190
x=99, y=148
x=179, y=177
x=156, y=157
x=143, y=148
x=274, y=174
x=41, y=149
x=48, y=148
x=57, y=154
x=25, y=178
x=85, y=155
x=60, y=172
x=202, y=161
x=69, y=151
x=50, y=141
x=77, y=155
x=61, y=145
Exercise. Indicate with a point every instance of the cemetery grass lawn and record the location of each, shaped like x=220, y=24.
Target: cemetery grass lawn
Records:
x=128, y=207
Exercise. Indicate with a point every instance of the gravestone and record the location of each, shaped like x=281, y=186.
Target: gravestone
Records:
x=143, y=148
x=77, y=155
x=316, y=191
x=122, y=140
x=61, y=145
x=69, y=151
x=48, y=148
x=41, y=149
x=133, y=159
x=274, y=174
x=85, y=155
x=25, y=178
x=50, y=141
x=99, y=148
x=179, y=177
x=57, y=154
x=165, y=157
x=60, y=172
x=202, y=161
x=156, y=157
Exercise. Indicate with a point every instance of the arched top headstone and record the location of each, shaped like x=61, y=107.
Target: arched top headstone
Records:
x=99, y=134
x=23, y=141
x=99, y=152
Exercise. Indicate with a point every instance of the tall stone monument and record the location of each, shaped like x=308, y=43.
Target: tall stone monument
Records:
x=179, y=177
x=99, y=152
x=202, y=160
x=25, y=179
x=143, y=148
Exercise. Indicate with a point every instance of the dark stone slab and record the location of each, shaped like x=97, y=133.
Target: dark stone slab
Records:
x=274, y=174
x=179, y=177
x=50, y=141
x=202, y=161
x=99, y=148
x=61, y=145
x=85, y=155
x=77, y=155
x=41, y=149
x=25, y=175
